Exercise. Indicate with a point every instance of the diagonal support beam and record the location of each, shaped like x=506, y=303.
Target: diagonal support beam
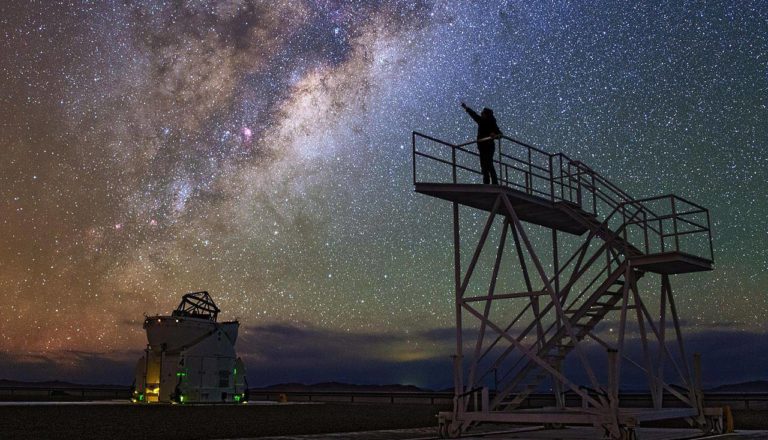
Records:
x=479, y=248
x=535, y=358
x=554, y=295
x=488, y=302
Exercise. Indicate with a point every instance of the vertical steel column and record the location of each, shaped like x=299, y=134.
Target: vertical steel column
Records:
x=662, y=338
x=644, y=341
x=555, y=260
x=458, y=370
x=613, y=379
x=413, y=149
x=557, y=386
x=487, y=309
x=623, y=320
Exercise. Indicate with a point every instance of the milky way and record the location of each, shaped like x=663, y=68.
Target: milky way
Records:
x=261, y=151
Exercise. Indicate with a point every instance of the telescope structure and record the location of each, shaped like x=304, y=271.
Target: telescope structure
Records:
x=190, y=357
x=574, y=295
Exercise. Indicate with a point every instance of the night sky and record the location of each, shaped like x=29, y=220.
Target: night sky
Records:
x=262, y=151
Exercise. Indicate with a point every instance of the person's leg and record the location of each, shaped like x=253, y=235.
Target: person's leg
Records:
x=486, y=167
x=492, y=167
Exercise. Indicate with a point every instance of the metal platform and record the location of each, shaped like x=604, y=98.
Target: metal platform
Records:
x=671, y=263
x=529, y=208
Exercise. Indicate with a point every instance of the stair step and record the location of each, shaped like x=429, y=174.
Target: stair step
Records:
x=618, y=308
x=516, y=401
x=554, y=355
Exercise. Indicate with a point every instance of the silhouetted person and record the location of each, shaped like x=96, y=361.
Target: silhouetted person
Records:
x=487, y=131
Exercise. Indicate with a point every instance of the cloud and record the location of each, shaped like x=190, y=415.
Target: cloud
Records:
x=281, y=353
x=285, y=353
x=70, y=366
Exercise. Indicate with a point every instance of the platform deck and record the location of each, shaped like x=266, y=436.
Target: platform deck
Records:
x=671, y=263
x=529, y=208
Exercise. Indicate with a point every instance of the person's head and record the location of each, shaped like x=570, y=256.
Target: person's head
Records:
x=486, y=113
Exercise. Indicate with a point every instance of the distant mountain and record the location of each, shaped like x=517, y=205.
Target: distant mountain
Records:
x=338, y=386
x=54, y=384
x=754, y=386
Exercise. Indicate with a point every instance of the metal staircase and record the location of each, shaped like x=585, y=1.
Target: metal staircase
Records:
x=622, y=239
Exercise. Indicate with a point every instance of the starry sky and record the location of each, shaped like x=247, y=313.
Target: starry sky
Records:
x=261, y=150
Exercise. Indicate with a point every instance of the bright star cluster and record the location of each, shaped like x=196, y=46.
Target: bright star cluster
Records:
x=261, y=150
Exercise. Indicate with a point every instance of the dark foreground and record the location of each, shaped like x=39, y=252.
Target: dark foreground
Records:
x=177, y=422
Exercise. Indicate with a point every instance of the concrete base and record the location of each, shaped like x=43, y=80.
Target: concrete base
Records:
x=529, y=433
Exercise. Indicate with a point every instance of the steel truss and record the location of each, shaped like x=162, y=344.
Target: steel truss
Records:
x=552, y=342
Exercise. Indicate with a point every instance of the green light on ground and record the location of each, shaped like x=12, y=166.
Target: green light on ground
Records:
x=237, y=398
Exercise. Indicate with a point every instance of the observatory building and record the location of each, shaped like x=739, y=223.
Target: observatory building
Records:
x=190, y=357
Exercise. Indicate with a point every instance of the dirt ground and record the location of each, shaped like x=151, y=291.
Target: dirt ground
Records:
x=178, y=422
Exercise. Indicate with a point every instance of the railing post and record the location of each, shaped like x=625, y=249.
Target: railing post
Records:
x=594, y=195
x=453, y=162
x=578, y=187
x=551, y=181
x=529, y=179
x=674, y=224
x=413, y=148
x=709, y=232
x=625, y=232
x=500, y=158
x=645, y=231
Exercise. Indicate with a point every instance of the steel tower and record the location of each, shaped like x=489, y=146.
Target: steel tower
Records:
x=591, y=261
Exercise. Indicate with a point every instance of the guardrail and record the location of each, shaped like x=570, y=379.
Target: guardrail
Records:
x=735, y=400
x=667, y=223
x=558, y=178
x=63, y=393
x=754, y=401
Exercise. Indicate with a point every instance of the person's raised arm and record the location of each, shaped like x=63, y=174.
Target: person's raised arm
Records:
x=471, y=112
